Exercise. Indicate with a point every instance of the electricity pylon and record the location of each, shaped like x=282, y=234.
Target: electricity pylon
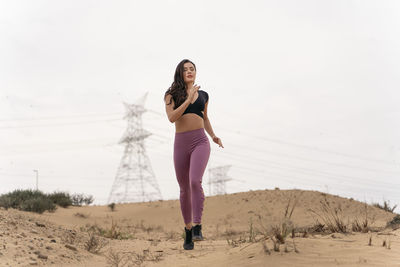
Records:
x=135, y=180
x=217, y=179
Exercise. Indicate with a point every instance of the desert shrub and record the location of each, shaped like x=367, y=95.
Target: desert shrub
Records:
x=61, y=198
x=111, y=206
x=114, y=232
x=395, y=222
x=385, y=206
x=37, y=201
x=116, y=258
x=94, y=243
x=331, y=216
x=38, y=204
x=15, y=198
x=79, y=199
x=27, y=200
x=5, y=202
x=81, y=215
x=363, y=225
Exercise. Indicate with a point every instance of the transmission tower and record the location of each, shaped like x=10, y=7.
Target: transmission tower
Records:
x=217, y=179
x=135, y=180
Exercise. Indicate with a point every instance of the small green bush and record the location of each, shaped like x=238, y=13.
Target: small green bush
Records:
x=38, y=204
x=395, y=221
x=17, y=197
x=61, y=198
x=37, y=201
x=6, y=202
x=111, y=206
x=79, y=199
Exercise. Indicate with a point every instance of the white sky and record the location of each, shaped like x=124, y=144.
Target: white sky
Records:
x=303, y=94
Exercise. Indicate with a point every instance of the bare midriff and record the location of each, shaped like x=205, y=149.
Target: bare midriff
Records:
x=188, y=122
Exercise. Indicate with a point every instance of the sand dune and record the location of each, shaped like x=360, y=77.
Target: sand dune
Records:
x=238, y=230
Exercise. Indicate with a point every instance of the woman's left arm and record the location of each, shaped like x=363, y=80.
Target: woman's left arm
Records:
x=208, y=128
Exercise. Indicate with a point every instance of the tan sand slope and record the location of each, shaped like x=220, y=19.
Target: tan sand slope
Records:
x=238, y=229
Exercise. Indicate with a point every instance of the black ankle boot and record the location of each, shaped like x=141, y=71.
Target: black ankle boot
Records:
x=188, y=244
x=197, y=235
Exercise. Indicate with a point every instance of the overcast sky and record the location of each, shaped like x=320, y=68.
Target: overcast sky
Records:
x=303, y=94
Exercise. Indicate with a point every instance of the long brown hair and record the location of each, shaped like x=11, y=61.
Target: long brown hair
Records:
x=178, y=86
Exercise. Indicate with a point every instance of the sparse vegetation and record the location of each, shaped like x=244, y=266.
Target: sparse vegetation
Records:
x=27, y=200
x=385, y=206
x=172, y=235
x=116, y=259
x=364, y=225
x=148, y=228
x=111, y=206
x=70, y=237
x=120, y=259
x=113, y=232
x=147, y=255
x=331, y=216
x=235, y=242
x=394, y=223
x=276, y=234
x=81, y=215
x=61, y=199
x=94, y=243
x=252, y=232
x=36, y=200
x=279, y=232
x=79, y=199
x=334, y=222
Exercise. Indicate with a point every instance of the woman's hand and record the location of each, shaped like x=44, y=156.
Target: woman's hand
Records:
x=218, y=141
x=192, y=92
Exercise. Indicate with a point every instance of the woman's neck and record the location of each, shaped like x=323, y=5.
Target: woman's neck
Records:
x=189, y=85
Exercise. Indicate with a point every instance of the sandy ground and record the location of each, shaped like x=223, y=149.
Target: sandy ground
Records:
x=238, y=231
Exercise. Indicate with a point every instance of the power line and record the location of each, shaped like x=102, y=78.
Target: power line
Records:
x=159, y=114
x=292, y=168
x=312, y=160
x=278, y=141
x=64, y=117
x=56, y=124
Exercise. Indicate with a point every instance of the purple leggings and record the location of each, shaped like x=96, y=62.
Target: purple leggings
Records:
x=191, y=154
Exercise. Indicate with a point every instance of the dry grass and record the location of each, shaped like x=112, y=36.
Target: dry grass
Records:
x=81, y=215
x=276, y=234
x=252, y=232
x=279, y=232
x=334, y=222
x=331, y=216
x=94, y=243
x=234, y=238
x=116, y=259
x=365, y=224
x=394, y=223
x=114, y=232
x=139, y=258
x=148, y=228
x=69, y=237
x=385, y=206
x=265, y=247
x=172, y=235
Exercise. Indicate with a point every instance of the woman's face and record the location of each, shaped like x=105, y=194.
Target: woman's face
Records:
x=189, y=72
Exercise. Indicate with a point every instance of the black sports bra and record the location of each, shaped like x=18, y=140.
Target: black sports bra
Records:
x=198, y=106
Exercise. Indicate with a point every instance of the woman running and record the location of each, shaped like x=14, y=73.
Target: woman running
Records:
x=186, y=106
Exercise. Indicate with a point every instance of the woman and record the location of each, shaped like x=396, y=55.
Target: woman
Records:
x=186, y=106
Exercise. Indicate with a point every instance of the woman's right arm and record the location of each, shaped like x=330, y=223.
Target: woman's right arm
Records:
x=175, y=114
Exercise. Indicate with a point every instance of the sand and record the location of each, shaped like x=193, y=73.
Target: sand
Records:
x=237, y=230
